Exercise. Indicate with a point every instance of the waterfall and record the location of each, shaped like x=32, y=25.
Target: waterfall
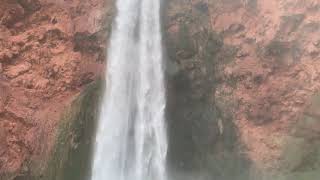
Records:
x=131, y=142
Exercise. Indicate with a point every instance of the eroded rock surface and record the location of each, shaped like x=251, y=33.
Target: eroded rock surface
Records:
x=256, y=66
x=243, y=81
x=275, y=73
x=42, y=69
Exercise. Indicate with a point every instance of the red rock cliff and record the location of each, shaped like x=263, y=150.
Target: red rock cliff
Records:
x=256, y=61
x=49, y=50
x=251, y=63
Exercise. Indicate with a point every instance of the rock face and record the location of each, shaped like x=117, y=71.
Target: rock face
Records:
x=49, y=51
x=252, y=64
x=243, y=83
x=275, y=73
x=71, y=156
x=203, y=138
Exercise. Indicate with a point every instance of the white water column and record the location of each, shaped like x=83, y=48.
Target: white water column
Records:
x=131, y=140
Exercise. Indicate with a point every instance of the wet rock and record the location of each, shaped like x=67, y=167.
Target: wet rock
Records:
x=313, y=109
x=191, y=49
x=86, y=42
x=277, y=49
x=284, y=52
x=214, y=44
x=85, y=79
x=181, y=44
x=184, y=54
x=202, y=6
x=71, y=153
x=251, y=4
x=290, y=24
x=30, y=5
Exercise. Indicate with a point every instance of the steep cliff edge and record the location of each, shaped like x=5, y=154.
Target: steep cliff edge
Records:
x=49, y=51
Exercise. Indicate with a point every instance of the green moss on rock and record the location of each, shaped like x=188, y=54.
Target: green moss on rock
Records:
x=301, y=155
x=71, y=155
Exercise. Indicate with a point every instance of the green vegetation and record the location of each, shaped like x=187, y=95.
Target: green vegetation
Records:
x=72, y=151
x=301, y=157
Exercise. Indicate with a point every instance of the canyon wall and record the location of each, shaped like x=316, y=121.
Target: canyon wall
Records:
x=49, y=52
x=243, y=85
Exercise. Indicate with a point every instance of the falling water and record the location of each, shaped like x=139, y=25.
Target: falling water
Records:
x=131, y=142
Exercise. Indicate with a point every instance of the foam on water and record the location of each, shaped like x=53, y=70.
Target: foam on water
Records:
x=131, y=140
